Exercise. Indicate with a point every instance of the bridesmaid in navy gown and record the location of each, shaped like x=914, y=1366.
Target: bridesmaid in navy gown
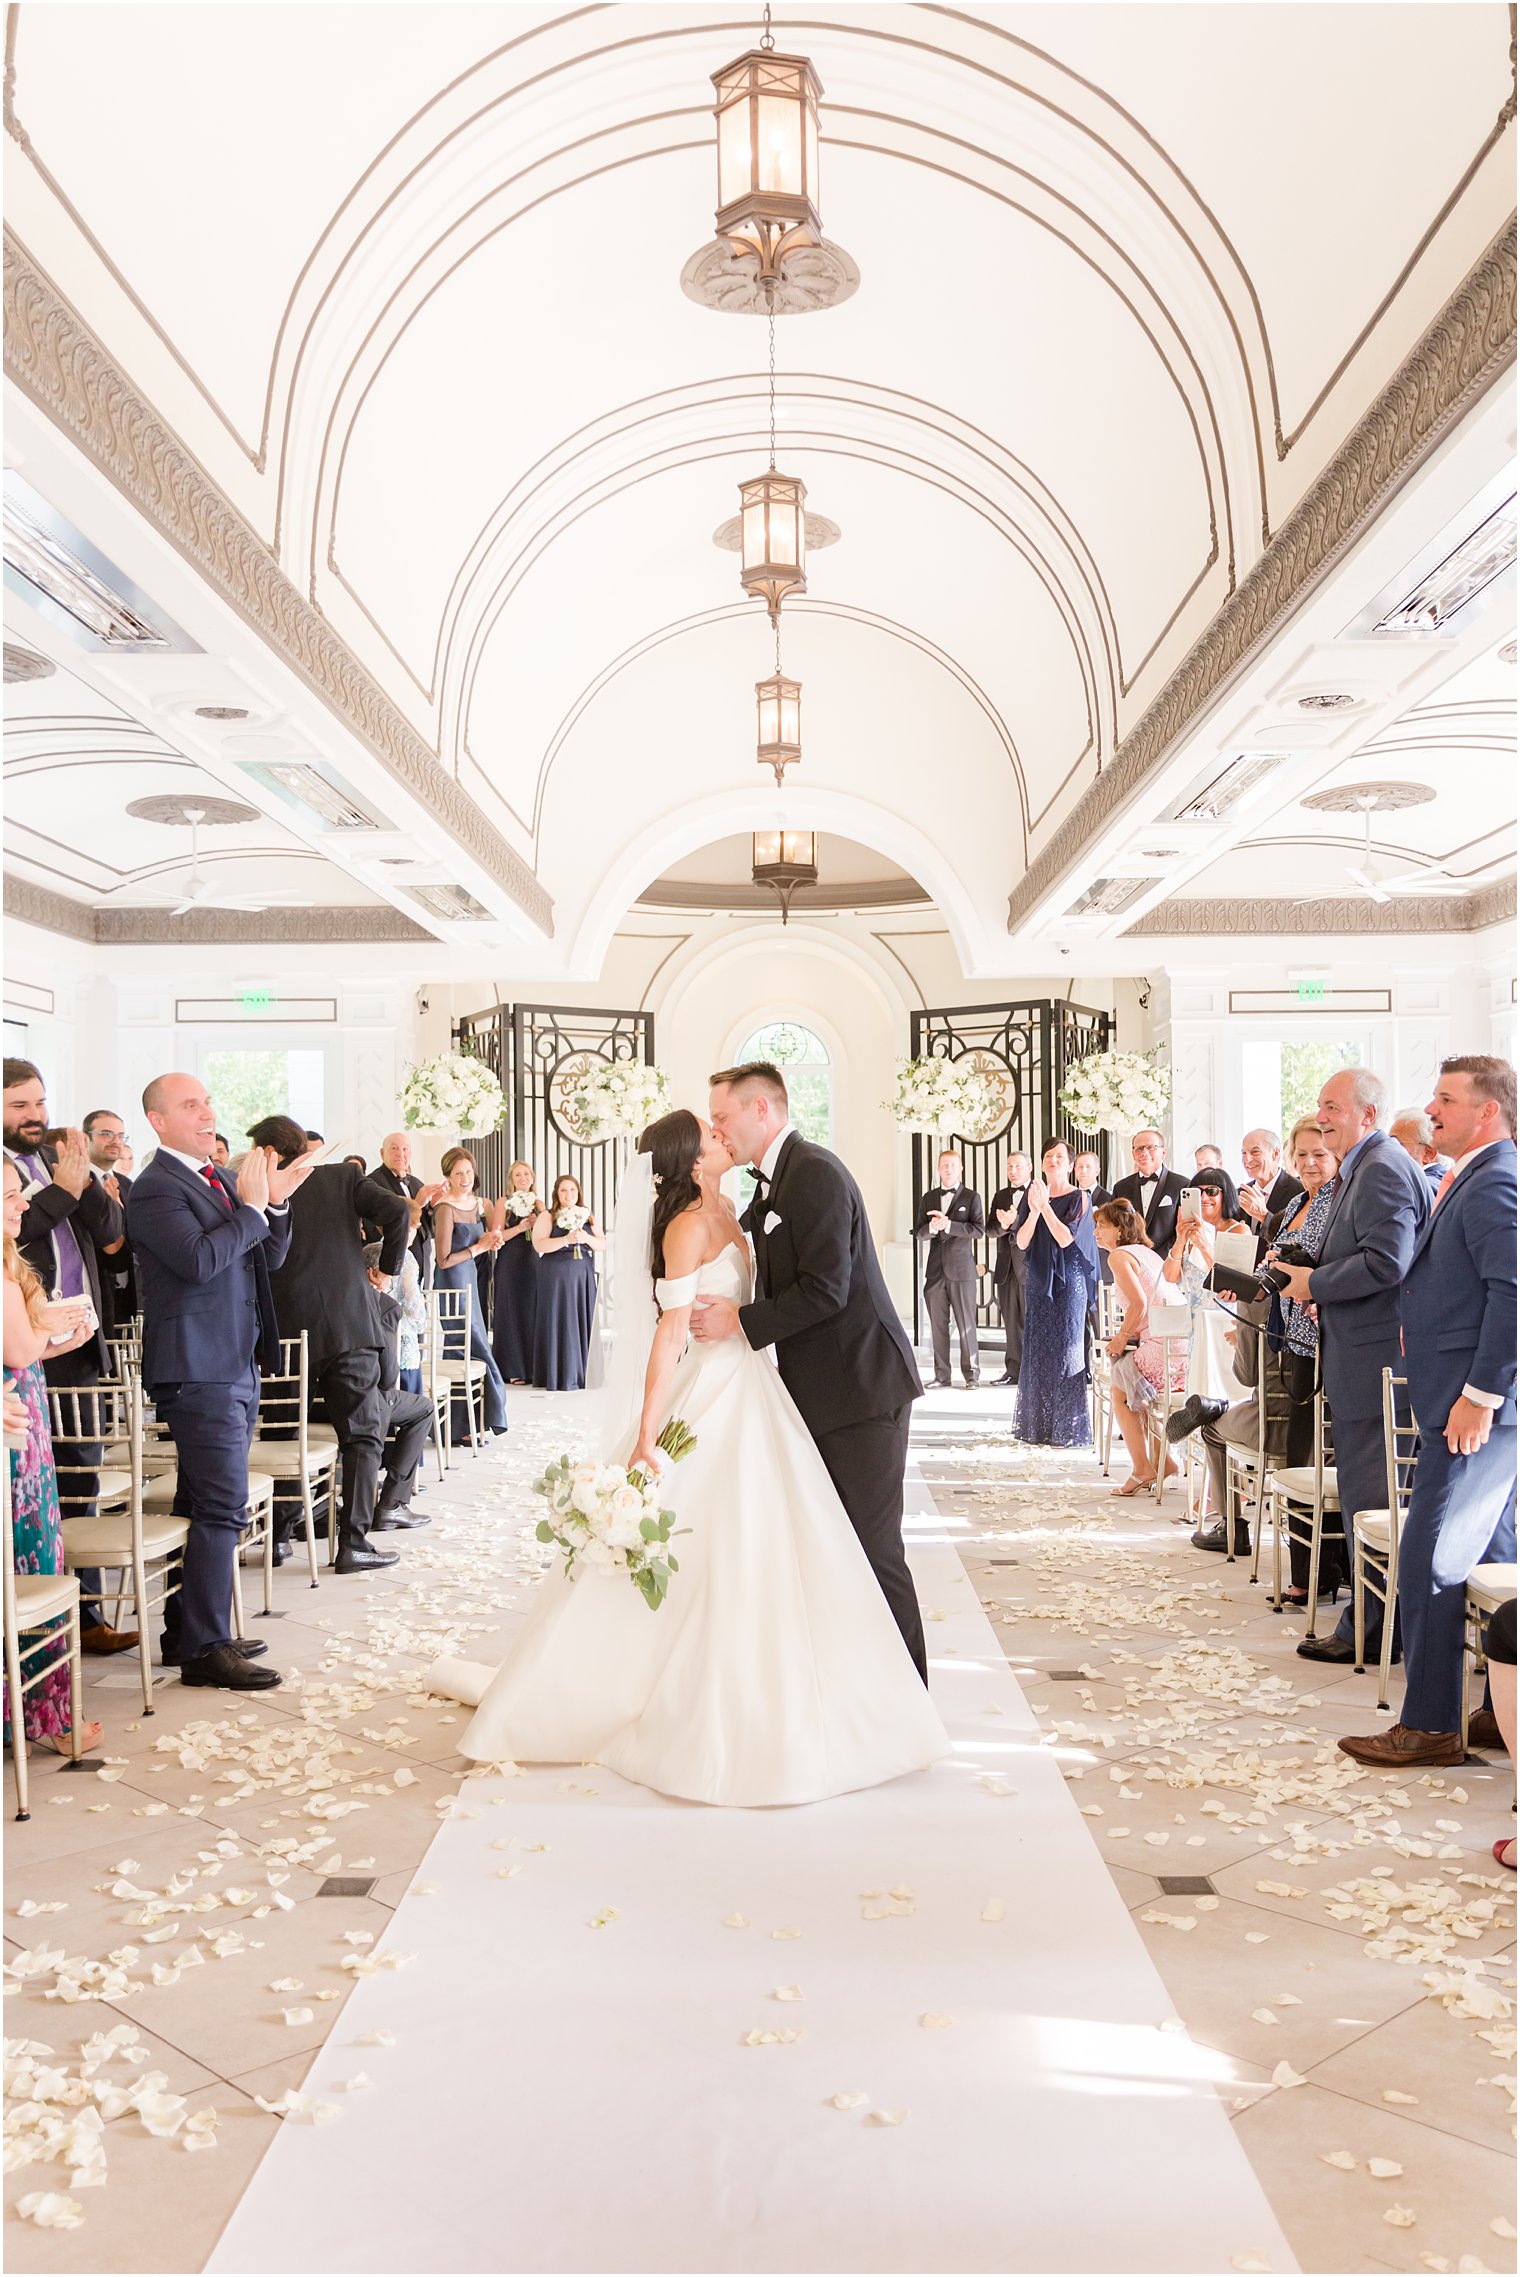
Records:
x=1057, y=1232
x=460, y=1238
x=566, y=1291
x=518, y=1272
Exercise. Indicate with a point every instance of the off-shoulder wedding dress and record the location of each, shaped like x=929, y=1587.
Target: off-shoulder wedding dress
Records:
x=773, y=1672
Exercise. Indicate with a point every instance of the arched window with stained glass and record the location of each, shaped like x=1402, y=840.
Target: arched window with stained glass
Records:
x=803, y=1059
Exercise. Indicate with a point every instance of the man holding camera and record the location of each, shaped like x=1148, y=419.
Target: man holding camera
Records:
x=1381, y=1204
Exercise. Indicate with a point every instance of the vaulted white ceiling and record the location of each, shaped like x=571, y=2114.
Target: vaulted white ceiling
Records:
x=405, y=281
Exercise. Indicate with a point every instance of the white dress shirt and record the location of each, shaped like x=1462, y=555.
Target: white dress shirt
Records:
x=767, y=1162
x=198, y=1163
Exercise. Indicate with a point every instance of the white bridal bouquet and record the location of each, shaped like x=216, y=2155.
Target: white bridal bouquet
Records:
x=522, y=1205
x=621, y=1098
x=1115, y=1091
x=935, y=1095
x=453, y=1093
x=608, y=1520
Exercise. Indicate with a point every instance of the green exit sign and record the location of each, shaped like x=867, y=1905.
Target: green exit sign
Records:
x=1310, y=991
x=256, y=999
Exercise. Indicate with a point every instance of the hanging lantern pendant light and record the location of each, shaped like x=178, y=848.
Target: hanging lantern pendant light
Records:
x=772, y=522
x=767, y=113
x=778, y=719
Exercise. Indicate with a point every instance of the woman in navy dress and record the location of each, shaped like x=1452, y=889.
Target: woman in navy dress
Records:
x=566, y=1288
x=515, y=1301
x=1057, y=1232
x=460, y=1236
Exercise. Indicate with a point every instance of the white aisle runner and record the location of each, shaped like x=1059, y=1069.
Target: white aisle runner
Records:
x=566, y=2097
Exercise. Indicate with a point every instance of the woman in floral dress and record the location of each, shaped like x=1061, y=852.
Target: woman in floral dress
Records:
x=30, y=1324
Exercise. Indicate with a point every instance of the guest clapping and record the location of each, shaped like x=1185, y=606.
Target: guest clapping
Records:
x=515, y=1300
x=565, y=1237
x=1268, y=1188
x=461, y=1236
x=1063, y=1276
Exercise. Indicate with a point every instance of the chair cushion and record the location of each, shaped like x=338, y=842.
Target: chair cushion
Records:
x=107, y=1540
x=41, y=1596
x=1493, y=1584
x=1373, y=1526
x=1297, y=1484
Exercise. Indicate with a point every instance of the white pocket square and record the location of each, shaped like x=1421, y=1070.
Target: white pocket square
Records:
x=771, y=1221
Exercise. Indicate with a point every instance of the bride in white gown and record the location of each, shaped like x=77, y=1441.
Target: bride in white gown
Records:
x=774, y=1671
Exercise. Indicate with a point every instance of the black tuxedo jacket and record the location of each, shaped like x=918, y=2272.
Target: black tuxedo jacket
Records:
x=950, y=1256
x=1008, y=1258
x=1161, y=1217
x=323, y=1286
x=94, y=1219
x=841, y=1349
x=1284, y=1189
x=422, y=1240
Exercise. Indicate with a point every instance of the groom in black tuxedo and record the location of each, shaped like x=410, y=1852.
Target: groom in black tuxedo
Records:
x=840, y=1346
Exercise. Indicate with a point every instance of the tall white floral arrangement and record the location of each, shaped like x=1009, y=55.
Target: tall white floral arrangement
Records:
x=619, y=1099
x=1121, y=1092
x=936, y=1096
x=453, y=1093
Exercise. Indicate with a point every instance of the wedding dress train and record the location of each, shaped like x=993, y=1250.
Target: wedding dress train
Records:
x=773, y=1672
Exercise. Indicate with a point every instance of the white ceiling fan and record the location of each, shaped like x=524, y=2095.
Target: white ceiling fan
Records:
x=1385, y=885
x=200, y=891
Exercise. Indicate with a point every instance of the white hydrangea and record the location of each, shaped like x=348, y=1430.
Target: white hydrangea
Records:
x=621, y=1099
x=453, y=1093
x=936, y=1096
x=1115, y=1091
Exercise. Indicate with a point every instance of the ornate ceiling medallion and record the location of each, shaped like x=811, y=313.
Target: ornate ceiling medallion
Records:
x=26, y=664
x=1368, y=798
x=815, y=276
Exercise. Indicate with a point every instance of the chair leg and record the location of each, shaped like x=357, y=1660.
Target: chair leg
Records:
x=1358, y=1604
x=309, y=1521
x=140, y=1614
x=76, y=1683
x=1316, y=1530
x=237, y=1598
x=1385, y=1656
x=269, y=1559
x=18, y=1721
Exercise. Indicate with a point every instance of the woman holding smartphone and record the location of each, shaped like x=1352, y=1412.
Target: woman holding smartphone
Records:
x=1190, y=1267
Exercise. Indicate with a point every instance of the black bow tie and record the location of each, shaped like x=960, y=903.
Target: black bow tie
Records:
x=762, y=1183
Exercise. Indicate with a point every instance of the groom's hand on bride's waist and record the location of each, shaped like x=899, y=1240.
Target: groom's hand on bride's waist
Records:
x=714, y=1319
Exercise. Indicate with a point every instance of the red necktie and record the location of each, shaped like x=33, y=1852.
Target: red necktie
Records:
x=208, y=1172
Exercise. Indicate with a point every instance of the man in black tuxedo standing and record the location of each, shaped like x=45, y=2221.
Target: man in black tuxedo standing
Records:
x=1010, y=1272
x=841, y=1349
x=396, y=1174
x=69, y=1225
x=106, y=1139
x=950, y=1223
x=1153, y=1190
x=323, y=1288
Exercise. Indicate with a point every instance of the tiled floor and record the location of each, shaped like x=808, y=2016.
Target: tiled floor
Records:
x=1195, y=1741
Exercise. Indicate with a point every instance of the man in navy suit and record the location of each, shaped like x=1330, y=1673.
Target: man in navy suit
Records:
x=203, y=1253
x=1458, y=1312
x=1380, y=1208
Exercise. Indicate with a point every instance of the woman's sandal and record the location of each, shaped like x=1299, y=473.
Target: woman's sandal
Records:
x=1132, y=1487
x=90, y=1740
x=1499, y=1849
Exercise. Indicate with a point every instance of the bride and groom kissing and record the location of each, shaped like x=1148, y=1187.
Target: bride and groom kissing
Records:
x=787, y=1662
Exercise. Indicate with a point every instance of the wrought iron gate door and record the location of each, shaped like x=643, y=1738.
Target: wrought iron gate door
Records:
x=541, y=1054
x=1026, y=1049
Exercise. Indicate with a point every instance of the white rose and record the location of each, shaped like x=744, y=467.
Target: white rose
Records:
x=584, y=1499
x=596, y=1553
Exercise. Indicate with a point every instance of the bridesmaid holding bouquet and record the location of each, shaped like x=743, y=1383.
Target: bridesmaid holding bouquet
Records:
x=565, y=1236
x=515, y=1303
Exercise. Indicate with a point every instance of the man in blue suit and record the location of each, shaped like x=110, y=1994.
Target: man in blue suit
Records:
x=1458, y=1311
x=203, y=1253
x=1380, y=1207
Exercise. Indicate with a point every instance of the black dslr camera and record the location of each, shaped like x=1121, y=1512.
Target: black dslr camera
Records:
x=1288, y=1253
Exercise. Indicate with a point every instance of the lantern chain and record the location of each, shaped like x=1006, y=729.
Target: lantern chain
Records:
x=772, y=322
x=767, y=36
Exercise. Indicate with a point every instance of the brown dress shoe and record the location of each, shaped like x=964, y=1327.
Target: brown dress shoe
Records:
x=102, y=1639
x=1400, y=1749
x=1483, y=1731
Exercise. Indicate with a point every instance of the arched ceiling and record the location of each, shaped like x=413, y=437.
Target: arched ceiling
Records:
x=404, y=281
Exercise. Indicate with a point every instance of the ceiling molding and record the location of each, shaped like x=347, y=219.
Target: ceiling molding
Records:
x=1351, y=913
x=822, y=900
x=1460, y=356
x=28, y=904
x=56, y=360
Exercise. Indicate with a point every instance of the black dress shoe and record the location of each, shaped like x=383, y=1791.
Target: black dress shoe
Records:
x=387, y=1521
x=247, y=1648
x=229, y=1671
x=938, y=1383
x=998, y=1382
x=1212, y=1538
x=1191, y=1416
x=360, y=1558
x=973, y=1383
x=1339, y=1649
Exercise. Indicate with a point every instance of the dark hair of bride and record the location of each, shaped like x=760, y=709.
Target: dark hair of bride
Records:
x=674, y=1141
